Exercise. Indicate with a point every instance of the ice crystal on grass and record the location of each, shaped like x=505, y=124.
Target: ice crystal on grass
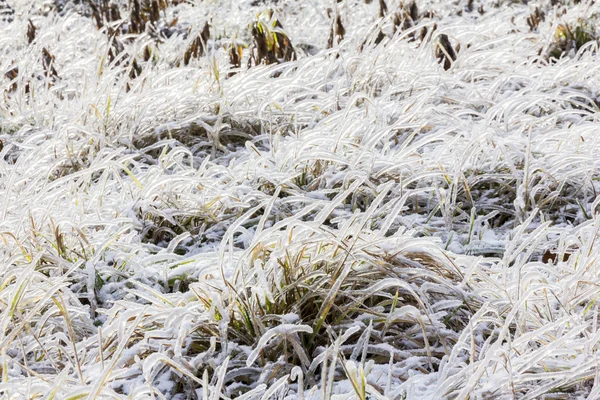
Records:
x=384, y=200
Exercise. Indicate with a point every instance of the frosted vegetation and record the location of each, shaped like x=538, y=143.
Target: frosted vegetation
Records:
x=301, y=199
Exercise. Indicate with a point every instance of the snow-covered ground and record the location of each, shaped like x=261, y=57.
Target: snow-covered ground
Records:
x=361, y=222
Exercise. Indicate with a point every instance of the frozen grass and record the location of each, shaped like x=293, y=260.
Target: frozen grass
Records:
x=406, y=210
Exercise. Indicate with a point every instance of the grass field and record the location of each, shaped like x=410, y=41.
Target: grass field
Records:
x=299, y=199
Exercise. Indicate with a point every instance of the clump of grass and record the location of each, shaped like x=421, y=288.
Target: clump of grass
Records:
x=159, y=227
x=326, y=287
x=270, y=43
x=569, y=38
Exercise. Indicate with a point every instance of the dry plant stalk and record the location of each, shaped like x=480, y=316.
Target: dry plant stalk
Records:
x=236, y=53
x=413, y=11
x=12, y=74
x=134, y=71
x=31, y=29
x=144, y=12
x=147, y=53
x=406, y=17
x=48, y=63
x=535, y=18
x=445, y=52
x=136, y=21
x=470, y=5
x=425, y=31
x=337, y=31
x=382, y=8
x=96, y=15
x=284, y=49
x=104, y=12
x=196, y=48
x=115, y=46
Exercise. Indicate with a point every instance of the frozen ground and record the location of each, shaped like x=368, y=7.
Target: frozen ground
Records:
x=362, y=222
